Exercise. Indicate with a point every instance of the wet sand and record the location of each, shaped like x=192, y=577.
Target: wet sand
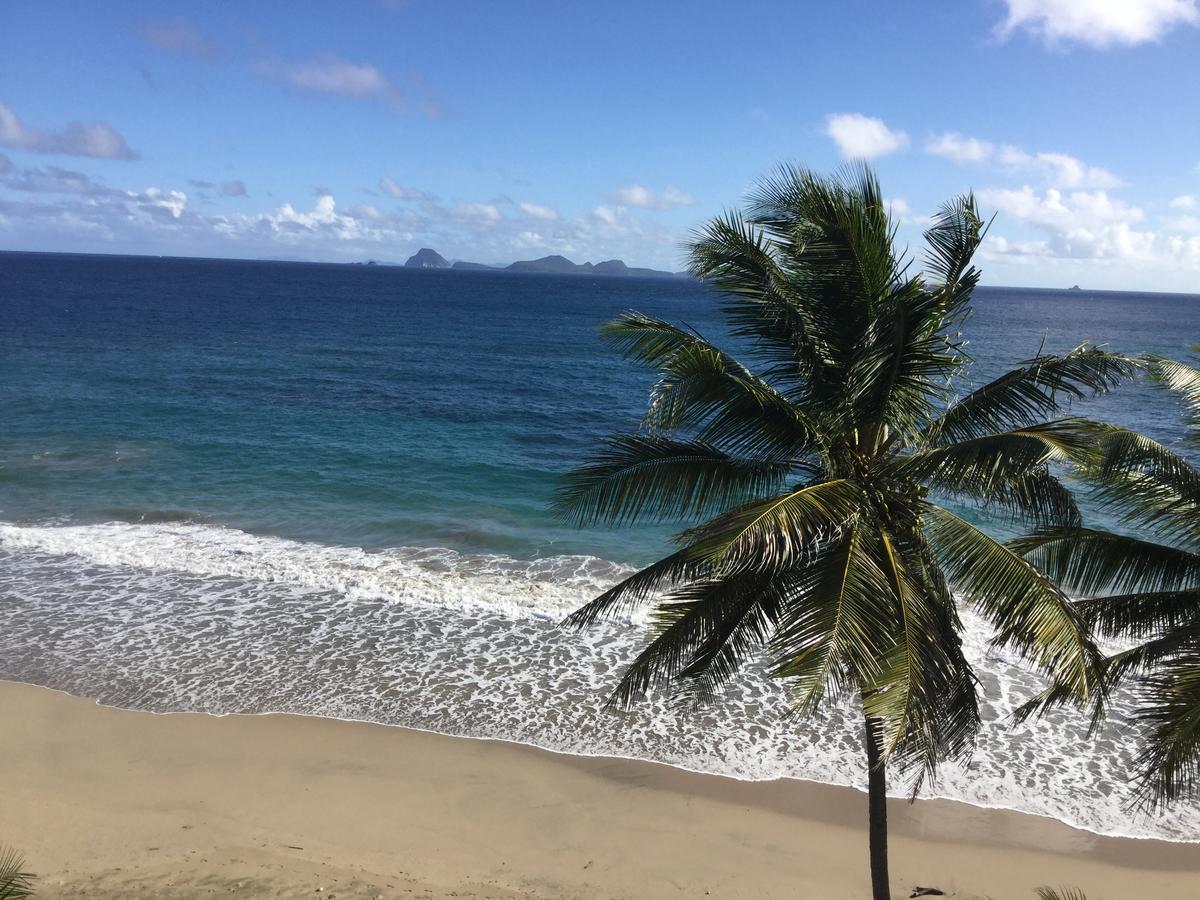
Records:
x=109, y=803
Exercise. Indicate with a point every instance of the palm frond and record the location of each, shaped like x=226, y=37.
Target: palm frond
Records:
x=951, y=242
x=777, y=533
x=1030, y=614
x=1170, y=709
x=839, y=628
x=15, y=882
x=1037, y=389
x=1146, y=485
x=1141, y=614
x=707, y=628
x=1183, y=378
x=1091, y=562
x=1010, y=469
x=639, y=589
x=759, y=297
x=650, y=476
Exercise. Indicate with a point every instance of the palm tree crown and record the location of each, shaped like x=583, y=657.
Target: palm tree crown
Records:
x=810, y=475
x=1146, y=587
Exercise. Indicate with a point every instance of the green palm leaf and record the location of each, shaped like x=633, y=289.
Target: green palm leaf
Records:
x=776, y=534
x=811, y=462
x=1029, y=612
x=1090, y=562
x=1171, y=759
x=15, y=882
x=1185, y=380
x=1033, y=391
x=640, y=476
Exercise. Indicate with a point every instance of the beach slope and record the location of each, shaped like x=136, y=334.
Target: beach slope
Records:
x=109, y=803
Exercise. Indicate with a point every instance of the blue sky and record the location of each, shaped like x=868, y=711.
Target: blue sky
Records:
x=500, y=131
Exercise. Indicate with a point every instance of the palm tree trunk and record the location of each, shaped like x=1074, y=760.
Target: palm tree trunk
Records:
x=877, y=814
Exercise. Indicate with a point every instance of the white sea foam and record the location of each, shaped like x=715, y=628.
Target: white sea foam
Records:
x=548, y=588
x=185, y=616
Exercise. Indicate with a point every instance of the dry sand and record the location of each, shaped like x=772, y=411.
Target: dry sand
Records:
x=116, y=804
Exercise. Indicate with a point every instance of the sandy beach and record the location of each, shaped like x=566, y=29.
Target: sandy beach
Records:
x=109, y=803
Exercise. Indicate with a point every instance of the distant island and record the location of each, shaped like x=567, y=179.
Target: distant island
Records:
x=428, y=258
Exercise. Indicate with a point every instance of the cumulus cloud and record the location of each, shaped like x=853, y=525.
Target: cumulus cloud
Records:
x=1097, y=23
x=95, y=139
x=863, y=137
x=233, y=189
x=1188, y=224
x=1183, y=201
x=393, y=188
x=1075, y=225
x=642, y=197
x=538, y=211
x=1057, y=169
x=479, y=213
x=62, y=209
x=92, y=200
x=953, y=145
x=177, y=36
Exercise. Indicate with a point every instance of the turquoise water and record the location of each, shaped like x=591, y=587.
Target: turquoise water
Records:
x=243, y=486
x=381, y=406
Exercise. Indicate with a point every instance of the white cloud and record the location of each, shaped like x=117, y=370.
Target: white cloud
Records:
x=637, y=195
x=53, y=180
x=337, y=76
x=65, y=210
x=1186, y=224
x=1078, y=225
x=605, y=214
x=173, y=202
x=96, y=139
x=538, y=211
x=334, y=76
x=953, y=145
x=1184, y=201
x=367, y=211
x=479, y=213
x=901, y=211
x=402, y=192
x=1064, y=171
x=1056, y=169
x=862, y=137
x=1098, y=23
x=288, y=225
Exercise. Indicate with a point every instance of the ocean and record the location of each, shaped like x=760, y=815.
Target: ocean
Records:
x=255, y=487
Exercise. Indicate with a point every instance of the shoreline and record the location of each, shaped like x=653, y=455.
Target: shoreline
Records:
x=108, y=802
x=572, y=754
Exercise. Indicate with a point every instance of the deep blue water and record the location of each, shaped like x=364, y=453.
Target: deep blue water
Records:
x=250, y=487
x=378, y=406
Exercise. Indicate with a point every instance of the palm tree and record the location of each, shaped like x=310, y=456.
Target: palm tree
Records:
x=15, y=882
x=1144, y=587
x=816, y=540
